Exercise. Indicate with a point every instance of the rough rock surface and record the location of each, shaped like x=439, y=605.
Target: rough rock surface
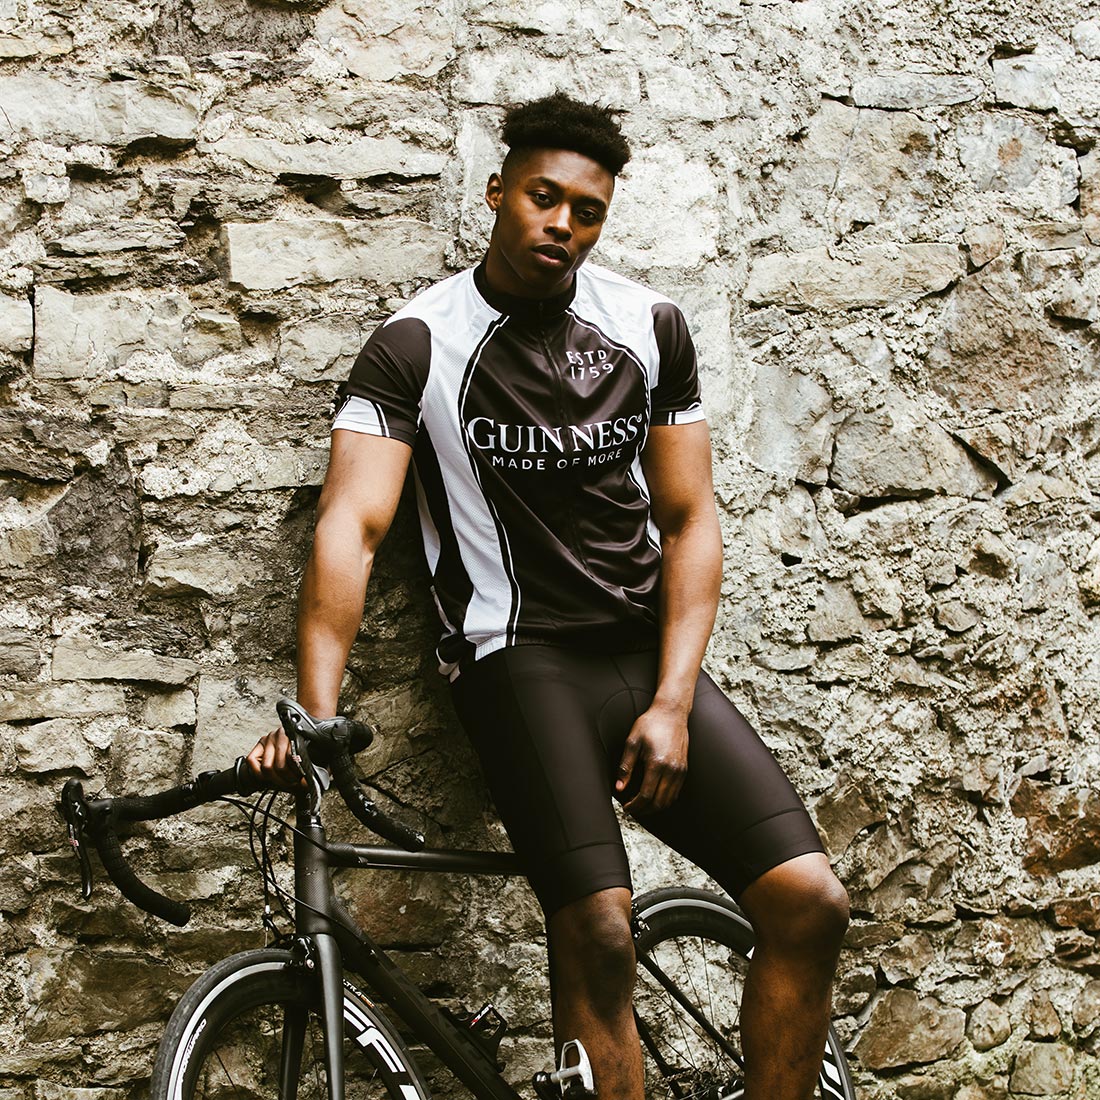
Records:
x=882, y=221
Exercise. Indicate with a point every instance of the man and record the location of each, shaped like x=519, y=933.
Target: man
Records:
x=563, y=472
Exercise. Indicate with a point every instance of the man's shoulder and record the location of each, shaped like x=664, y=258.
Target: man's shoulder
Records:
x=437, y=299
x=603, y=283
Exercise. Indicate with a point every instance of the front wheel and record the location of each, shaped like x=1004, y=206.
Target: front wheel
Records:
x=250, y=1029
x=693, y=954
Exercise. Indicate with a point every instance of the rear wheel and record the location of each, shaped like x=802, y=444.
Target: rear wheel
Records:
x=693, y=955
x=250, y=1029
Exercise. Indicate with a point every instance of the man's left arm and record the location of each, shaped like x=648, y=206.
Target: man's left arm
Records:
x=677, y=466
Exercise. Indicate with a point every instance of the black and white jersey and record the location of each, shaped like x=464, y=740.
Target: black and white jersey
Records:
x=527, y=420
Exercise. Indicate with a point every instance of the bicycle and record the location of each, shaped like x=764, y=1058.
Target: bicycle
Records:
x=264, y=1022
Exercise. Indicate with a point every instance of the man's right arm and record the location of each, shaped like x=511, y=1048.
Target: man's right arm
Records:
x=358, y=501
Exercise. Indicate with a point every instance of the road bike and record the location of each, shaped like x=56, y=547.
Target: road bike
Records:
x=293, y=1021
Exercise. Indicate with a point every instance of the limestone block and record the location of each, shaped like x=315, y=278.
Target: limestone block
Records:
x=683, y=232
x=199, y=565
x=232, y=716
x=271, y=255
x=1044, y=578
x=1086, y=1008
x=681, y=91
x=98, y=110
x=99, y=202
x=57, y=745
x=874, y=166
x=1081, y=912
x=1027, y=82
x=985, y=242
x=847, y=664
x=176, y=708
x=1007, y=153
x=1079, y=99
x=1086, y=38
x=225, y=458
x=146, y=759
x=83, y=992
x=19, y=654
x=956, y=617
x=907, y=959
x=353, y=160
x=123, y=237
x=86, y=335
x=77, y=658
x=1063, y=826
x=989, y=1025
x=853, y=990
x=1043, y=1019
x=793, y=424
x=1088, y=579
x=906, y=1029
x=71, y=700
x=905, y=90
x=897, y=451
x=47, y=188
x=847, y=810
x=16, y=324
x=878, y=275
x=835, y=616
x=993, y=352
x=384, y=39
x=513, y=74
x=1042, y=1069
x=546, y=16
x=320, y=348
x=1073, y=301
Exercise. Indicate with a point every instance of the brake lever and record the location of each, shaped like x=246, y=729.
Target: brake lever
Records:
x=74, y=810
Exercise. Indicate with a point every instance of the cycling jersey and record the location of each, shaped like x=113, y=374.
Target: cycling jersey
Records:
x=527, y=420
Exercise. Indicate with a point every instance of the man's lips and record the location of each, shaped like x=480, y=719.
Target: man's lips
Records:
x=553, y=252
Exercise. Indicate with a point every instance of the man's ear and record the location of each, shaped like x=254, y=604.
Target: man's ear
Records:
x=494, y=192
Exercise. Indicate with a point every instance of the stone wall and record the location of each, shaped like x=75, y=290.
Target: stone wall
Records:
x=883, y=222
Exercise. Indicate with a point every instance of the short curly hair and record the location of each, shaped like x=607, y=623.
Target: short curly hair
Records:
x=560, y=122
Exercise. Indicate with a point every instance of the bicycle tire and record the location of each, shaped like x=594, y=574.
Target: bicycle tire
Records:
x=225, y=1037
x=702, y=944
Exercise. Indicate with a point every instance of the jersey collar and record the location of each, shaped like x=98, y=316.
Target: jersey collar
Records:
x=528, y=309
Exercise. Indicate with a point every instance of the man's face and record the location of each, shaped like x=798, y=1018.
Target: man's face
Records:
x=550, y=206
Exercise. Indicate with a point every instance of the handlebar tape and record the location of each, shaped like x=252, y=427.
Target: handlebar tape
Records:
x=204, y=788
x=347, y=783
x=131, y=887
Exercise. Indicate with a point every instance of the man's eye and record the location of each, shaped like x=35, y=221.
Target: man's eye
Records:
x=540, y=197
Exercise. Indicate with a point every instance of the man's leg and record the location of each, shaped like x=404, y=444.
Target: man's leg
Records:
x=592, y=973
x=799, y=912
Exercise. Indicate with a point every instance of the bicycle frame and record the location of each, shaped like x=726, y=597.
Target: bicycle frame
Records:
x=325, y=928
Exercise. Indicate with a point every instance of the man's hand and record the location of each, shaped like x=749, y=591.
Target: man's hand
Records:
x=657, y=745
x=270, y=760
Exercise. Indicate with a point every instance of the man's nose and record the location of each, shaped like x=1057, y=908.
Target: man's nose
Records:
x=559, y=222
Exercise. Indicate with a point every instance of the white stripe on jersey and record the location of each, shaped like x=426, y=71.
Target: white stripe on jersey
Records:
x=462, y=330
x=363, y=416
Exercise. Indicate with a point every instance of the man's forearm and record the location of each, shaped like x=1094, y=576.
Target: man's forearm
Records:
x=330, y=609
x=691, y=579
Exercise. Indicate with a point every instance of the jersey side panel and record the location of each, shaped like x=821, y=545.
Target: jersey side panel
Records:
x=475, y=588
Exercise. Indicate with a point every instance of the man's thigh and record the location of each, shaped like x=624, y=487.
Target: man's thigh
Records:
x=531, y=714
x=737, y=815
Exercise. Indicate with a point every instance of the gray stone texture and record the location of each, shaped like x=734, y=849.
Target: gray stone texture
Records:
x=883, y=224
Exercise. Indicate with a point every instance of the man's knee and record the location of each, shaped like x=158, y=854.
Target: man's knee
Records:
x=799, y=905
x=592, y=946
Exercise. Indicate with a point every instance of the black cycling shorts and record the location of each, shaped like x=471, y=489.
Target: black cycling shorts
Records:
x=549, y=725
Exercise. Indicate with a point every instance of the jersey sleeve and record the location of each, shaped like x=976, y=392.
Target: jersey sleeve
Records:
x=676, y=398
x=383, y=393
